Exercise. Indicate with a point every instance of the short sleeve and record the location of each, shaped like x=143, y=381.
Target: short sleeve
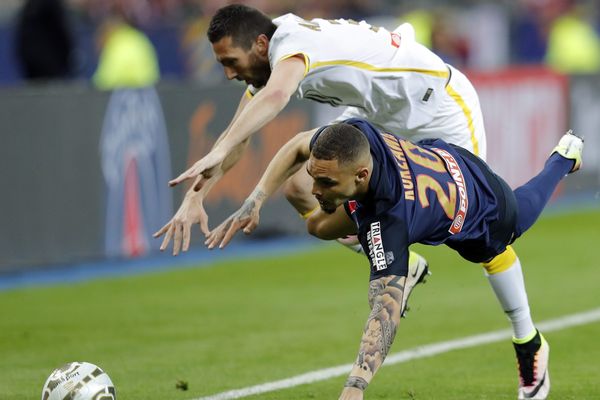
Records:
x=316, y=136
x=385, y=242
x=290, y=39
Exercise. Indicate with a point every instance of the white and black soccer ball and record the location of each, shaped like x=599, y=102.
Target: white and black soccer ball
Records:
x=79, y=381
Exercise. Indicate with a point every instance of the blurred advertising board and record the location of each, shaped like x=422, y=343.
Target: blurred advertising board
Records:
x=85, y=172
x=585, y=120
x=525, y=111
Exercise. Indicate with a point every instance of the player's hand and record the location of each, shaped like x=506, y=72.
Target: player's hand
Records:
x=179, y=227
x=207, y=167
x=351, y=393
x=246, y=219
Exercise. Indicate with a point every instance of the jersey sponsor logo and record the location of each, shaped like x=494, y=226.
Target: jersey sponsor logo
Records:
x=395, y=39
x=459, y=180
x=376, y=252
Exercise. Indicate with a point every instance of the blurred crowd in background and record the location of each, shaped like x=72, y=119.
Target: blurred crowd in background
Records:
x=132, y=43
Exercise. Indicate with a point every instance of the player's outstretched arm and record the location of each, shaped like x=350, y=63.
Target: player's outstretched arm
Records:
x=286, y=162
x=263, y=107
x=234, y=156
x=191, y=211
x=385, y=299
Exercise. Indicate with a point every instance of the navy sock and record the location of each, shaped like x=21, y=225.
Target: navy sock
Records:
x=533, y=196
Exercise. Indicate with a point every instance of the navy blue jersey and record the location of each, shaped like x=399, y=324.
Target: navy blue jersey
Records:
x=420, y=193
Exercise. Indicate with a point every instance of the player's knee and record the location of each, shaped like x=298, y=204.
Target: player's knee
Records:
x=501, y=262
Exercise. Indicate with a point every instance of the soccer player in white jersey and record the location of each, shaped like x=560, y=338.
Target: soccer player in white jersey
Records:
x=385, y=77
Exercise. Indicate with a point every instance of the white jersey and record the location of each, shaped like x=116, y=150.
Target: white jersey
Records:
x=385, y=77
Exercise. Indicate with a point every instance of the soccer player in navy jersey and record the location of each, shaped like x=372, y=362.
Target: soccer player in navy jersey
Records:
x=395, y=193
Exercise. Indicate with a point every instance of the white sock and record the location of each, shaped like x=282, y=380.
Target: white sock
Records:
x=509, y=287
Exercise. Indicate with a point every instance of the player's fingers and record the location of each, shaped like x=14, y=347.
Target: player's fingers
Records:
x=167, y=238
x=218, y=234
x=177, y=239
x=162, y=230
x=208, y=237
x=187, y=234
x=209, y=242
x=204, y=226
x=178, y=180
x=211, y=235
x=235, y=226
x=189, y=173
x=218, y=237
x=250, y=226
x=215, y=236
x=212, y=241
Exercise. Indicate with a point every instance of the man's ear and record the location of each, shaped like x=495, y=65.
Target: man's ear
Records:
x=262, y=44
x=362, y=174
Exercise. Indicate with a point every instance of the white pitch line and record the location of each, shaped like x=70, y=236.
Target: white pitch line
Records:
x=407, y=355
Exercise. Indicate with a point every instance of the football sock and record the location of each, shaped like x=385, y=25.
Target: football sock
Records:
x=528, y=339
x=533, y=196
x=509, y=287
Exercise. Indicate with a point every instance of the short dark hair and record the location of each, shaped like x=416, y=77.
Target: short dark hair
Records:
x=242, y=23
x=342, y=142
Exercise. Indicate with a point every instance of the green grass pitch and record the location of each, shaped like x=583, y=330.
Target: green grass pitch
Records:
x=243, y=323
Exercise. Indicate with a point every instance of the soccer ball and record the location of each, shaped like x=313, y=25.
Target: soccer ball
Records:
x=79, y=381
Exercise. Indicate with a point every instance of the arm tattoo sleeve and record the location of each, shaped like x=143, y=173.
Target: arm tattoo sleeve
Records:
x=385, y=300
x=357, y=382
x=260, y=195
x=249, y=206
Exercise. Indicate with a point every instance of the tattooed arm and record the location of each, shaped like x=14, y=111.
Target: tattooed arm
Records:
x=286, y=162
x=385, y=299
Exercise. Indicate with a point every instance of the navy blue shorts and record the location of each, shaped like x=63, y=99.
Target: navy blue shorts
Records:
x=501, y=231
